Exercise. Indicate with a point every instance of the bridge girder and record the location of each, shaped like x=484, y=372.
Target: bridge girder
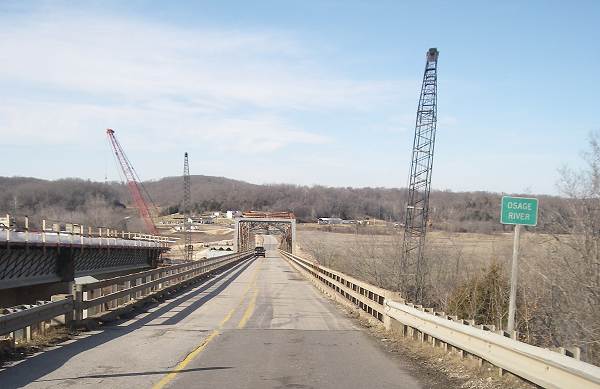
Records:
x=25, y=265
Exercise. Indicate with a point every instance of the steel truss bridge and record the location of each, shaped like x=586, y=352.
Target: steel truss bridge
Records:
x=246, y=226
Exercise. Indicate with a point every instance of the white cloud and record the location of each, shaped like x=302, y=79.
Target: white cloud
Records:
x=79, y=74
x=148, y=129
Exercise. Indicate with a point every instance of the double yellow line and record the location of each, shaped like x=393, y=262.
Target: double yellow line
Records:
x=216, y=332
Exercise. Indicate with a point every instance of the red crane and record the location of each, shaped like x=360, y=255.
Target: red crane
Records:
x=133, y=182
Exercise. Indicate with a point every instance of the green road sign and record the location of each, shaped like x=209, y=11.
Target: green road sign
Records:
x=519, y=210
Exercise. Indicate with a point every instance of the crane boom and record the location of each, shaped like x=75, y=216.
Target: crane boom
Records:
x=419, y=186
x=133, y=183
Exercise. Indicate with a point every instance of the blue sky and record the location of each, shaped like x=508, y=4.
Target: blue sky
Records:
x=300, y=92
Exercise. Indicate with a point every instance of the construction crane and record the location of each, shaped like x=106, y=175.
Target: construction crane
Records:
x=187, y=202
x=133, y=182
x=419, y=186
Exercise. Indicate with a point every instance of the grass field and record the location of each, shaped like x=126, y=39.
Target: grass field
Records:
x=470, y=250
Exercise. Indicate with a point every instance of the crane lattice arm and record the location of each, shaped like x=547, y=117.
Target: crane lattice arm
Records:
x=133, y=182
x=419, y=185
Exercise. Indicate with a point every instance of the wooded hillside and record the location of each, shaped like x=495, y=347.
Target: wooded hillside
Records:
x=104, y=203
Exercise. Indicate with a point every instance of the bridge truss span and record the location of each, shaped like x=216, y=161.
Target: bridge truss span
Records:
x=246, y=226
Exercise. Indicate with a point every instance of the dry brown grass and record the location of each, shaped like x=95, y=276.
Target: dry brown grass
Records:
x=472, y=251
x=38, y=342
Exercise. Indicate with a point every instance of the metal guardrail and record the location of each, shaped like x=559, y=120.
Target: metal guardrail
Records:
x=540, y=366
x=543, y=367
x=23, y=317
x=92, y=299
x=368, y=298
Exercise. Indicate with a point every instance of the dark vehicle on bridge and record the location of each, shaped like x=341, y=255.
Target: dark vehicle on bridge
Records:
x=259, y=251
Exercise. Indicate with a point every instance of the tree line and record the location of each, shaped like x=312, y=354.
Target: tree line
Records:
x=105, y=203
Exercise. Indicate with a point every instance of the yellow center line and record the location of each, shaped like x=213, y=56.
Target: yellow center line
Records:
x=226, y=318
x=249, y=310
x=181, y=365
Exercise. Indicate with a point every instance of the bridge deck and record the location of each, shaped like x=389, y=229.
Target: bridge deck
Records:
x=257, y=325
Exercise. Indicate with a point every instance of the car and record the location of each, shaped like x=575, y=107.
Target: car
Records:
x=259, y=251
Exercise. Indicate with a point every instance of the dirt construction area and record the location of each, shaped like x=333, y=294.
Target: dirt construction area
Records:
x=204, y=238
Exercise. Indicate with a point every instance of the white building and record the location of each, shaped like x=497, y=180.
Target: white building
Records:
x=330, y=220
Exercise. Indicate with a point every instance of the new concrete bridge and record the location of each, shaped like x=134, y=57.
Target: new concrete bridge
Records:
x=37, y=264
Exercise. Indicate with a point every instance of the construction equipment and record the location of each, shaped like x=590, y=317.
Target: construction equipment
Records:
x=417, y=206
x=133, y=182
x=187, y=200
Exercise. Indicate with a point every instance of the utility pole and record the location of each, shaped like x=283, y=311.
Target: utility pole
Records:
x=419, y=186
x=188, y=247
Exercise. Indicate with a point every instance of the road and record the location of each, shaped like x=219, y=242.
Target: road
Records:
x=260, y=324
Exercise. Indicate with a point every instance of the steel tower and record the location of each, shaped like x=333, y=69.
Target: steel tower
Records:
x=187, y=199
x=417, y=206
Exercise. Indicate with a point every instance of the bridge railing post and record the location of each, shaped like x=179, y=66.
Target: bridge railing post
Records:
x=147, y=280
x=89, y=295
x=127, y=285
x=114, y=303
x=121, y=300
x=78, y=312
x=153, y=287
x=160, y=275
x=132, y=283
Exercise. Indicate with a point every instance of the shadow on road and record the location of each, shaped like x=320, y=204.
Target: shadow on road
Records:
x=141, y=373
x=39, y=365
x=200, y=302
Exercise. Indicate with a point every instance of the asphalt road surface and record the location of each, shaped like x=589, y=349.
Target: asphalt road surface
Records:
x=259, y=324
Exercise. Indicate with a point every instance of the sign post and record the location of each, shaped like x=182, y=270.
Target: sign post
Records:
x=514, y=274
x=520, y=211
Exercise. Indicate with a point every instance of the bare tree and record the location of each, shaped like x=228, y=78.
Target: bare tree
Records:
x=575, y=285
